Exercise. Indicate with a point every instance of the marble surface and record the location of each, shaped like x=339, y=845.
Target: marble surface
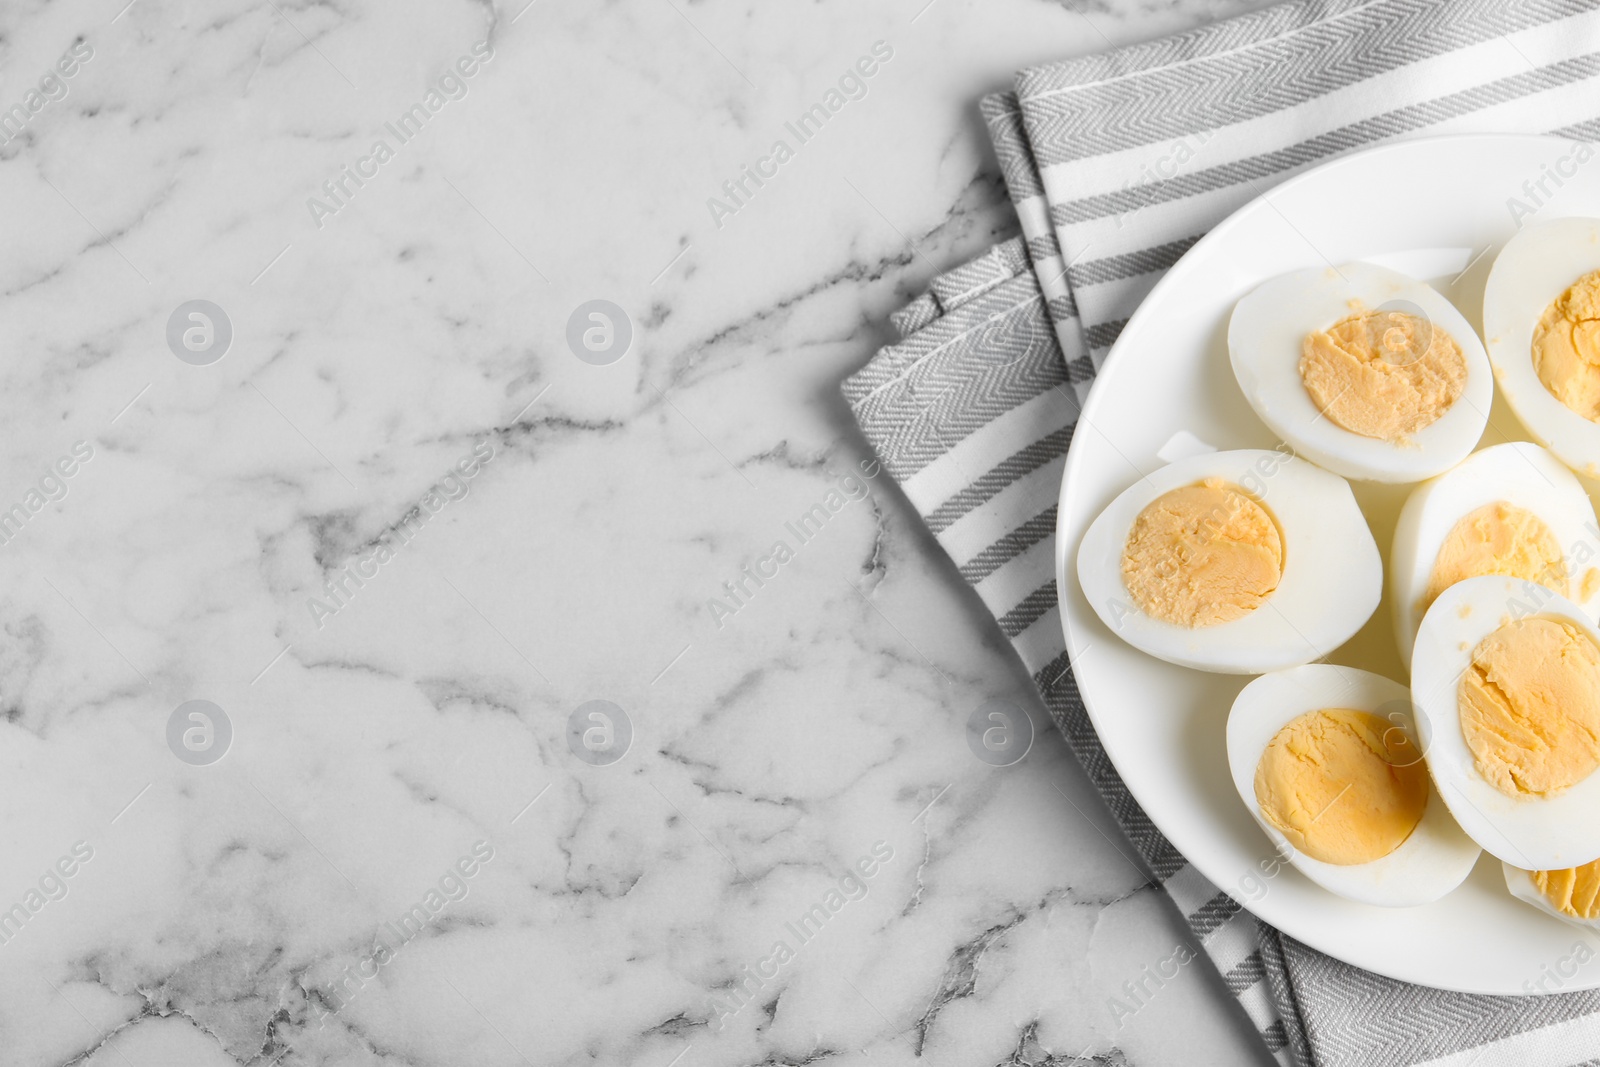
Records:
x=398, y=534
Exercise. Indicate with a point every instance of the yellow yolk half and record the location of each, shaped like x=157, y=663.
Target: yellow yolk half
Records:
x=1202, y=555
x=1498, y=538
x=1343, y=786
x=1566, y=347
x=1530, y=707
x=1574, y=891
x=1383, y=374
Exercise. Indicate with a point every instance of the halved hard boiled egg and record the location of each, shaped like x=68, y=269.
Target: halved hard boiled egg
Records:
x=1328, y=761
x=1571, y=894
x=1541, y=319
x=1510, y=509
x=1236, y=562
x=1506, y=679
x=1363, y=370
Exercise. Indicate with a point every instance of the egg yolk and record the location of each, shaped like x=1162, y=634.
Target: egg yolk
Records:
x=1574, y=891
x=1566, y=347
x=1343, y=786
x=1383, y=374
x=1498, y=538
x=1201, y=555
x=1530, y=707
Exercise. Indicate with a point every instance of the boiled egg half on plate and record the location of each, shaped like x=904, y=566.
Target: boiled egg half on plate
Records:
x=1541, y=319
x=1572, y=894
x=1328, y=761
x=1237, y=562
x=1510, y=509
x=1365, y=371
x=1506, y=680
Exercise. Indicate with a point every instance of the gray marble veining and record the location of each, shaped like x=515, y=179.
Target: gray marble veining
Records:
x=373, y=507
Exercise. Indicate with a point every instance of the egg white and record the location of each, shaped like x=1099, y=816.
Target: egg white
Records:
x=1437, y=856
x=1521, y=886
x=1265, y=335
x=1518, y=473
x=1536, y=834
x=1332, y=574
x=1531, y=271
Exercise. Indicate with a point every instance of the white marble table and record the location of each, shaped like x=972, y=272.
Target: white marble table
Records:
x=398, y=533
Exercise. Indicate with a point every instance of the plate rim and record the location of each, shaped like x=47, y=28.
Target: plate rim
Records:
x=1095, y=398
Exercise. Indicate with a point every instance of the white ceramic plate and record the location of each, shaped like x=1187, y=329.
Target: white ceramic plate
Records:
x=1433, y=209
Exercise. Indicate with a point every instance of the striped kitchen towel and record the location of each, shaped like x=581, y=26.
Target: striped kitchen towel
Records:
x=1117, y=163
